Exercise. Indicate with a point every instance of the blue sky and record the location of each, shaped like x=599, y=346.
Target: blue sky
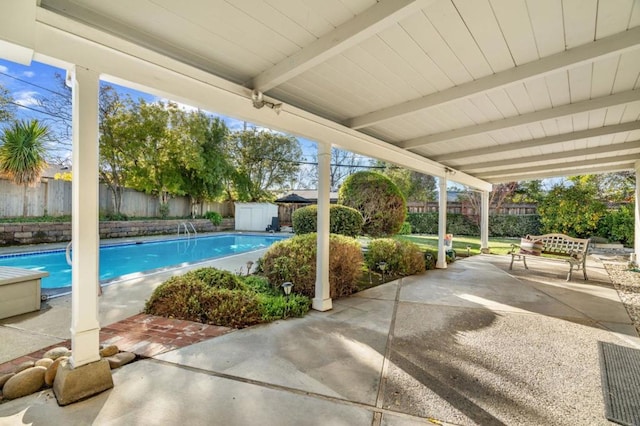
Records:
x=27, y=83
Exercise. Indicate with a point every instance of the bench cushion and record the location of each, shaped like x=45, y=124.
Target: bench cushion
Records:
x=531, y=247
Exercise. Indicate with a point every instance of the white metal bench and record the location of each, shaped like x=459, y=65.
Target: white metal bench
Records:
x=19, y=291
x=561, y=248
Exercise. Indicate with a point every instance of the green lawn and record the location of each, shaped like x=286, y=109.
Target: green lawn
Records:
x=430, y=242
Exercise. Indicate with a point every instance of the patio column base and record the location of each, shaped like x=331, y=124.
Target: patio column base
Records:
x=321, y=304
x=75, y=384
x=485, y=250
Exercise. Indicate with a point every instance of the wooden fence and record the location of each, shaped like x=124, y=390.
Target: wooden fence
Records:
x=53, y=198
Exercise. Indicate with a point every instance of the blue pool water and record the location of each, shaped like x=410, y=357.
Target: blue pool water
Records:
x=122, y=259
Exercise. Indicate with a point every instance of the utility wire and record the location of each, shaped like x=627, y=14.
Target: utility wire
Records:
x=32, y=109
x=33, y=84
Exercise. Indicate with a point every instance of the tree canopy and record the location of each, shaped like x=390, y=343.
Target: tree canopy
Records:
x=264, y=161
x=378, y=199
x=7, y=108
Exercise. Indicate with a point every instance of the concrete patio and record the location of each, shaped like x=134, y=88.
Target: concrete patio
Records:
x=471, y=344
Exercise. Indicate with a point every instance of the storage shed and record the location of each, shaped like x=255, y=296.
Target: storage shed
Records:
x=254, y=216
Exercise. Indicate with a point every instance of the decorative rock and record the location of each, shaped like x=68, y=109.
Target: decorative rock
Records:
x=5, y=377
x=120, y=359
x=57, y=353
x=110, y=350
x=44, y=362
x=24, y=383
x=50, y=374
x=24, y=365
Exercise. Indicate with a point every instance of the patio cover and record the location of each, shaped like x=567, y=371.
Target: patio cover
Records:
x=473, y=91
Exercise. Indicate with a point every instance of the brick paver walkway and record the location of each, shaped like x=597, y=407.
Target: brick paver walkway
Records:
x=145, y=335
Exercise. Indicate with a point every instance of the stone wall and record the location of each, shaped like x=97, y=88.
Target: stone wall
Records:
x=52, y=232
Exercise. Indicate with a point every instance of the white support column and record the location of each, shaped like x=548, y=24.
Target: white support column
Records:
x=442, y=223
x=322, y=299
x=84, y=286
x=636, y=243
x=484, y=223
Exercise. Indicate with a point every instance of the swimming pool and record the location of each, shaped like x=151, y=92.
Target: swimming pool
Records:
x=122, y=259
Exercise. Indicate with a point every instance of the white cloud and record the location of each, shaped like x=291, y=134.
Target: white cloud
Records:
x=26, y=98
x=29, y=74
x=4, y=69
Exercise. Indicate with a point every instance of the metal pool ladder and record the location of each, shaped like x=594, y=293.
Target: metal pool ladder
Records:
x=186, y=226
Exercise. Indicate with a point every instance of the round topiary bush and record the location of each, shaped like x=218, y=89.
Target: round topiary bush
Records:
x=294, y=260
x=342, y=220
x=378, y=199
x=401, y=257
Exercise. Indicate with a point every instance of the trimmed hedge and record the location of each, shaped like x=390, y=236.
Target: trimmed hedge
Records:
x=294, y=260
x=342, y=220
x=401, y=257
x=458, y=224
x=380, y=201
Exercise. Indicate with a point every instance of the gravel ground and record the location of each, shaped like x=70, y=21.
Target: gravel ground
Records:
x=627, y=283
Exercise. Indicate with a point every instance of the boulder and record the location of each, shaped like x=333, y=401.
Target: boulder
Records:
x=108, y=351
x=50, y=374
x=4, y=377
x=24, y=383
x=57, y=353
x=120, y=359
x=44, y=362
x=23, y=366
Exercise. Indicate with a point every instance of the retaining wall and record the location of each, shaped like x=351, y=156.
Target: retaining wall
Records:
x=52, y=232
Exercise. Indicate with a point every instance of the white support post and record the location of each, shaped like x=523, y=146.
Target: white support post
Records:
x=85, y=235
x=484, y=223
x=636, y=242
x=442, y=223
x=322, y=299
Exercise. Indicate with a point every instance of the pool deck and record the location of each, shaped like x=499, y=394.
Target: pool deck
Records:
x=121, y=299
x=474, y=344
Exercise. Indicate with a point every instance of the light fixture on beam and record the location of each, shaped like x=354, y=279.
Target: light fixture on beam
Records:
x=258, y=102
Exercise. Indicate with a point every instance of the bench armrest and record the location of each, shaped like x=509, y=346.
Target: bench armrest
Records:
x=514, y=247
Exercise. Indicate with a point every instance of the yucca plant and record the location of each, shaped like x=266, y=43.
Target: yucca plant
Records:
x=22, y=154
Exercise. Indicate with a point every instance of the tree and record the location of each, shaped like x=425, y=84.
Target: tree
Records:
x=153, y=133
x=115, y=147
x=574, y=210
x=264, y=162
x=378, y=199
x=343, y=164
x=22, y=154
x=205, y=173
x=415, y=186
x=7, y=108
x=499, y=194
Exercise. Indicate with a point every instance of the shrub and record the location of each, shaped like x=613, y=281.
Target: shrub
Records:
x=259, y=284
x=217, y=278
x=381, y=203
x=458, y=224
x=573, y=210
x=190, y=298
x=342, y=220
x=405, y=229
x=618, y=225
x=401, y=257
x=274, y=307
x=294, y=260
x=214, y=217
x=178, y=297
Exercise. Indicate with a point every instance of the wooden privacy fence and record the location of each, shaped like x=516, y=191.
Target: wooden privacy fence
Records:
x=53, y=197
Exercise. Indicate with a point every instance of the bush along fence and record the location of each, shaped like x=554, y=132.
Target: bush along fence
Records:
x=459, y=224
x=50, y=232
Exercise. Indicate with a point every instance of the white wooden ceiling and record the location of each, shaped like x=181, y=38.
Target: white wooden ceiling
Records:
x=500, y=90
